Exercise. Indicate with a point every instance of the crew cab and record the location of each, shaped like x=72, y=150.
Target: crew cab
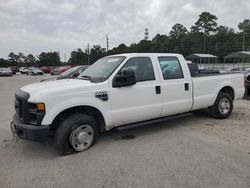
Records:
x=120, y=90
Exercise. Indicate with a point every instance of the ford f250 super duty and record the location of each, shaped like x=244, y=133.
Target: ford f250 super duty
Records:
x=119, y=90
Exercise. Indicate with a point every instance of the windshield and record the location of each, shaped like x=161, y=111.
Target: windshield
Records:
x=69, y=71
x=102, y=69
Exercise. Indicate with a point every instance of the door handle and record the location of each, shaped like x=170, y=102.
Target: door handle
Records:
x=186, y=86
x=158, y=89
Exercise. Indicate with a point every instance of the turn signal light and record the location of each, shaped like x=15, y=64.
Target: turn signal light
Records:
x=40, y=106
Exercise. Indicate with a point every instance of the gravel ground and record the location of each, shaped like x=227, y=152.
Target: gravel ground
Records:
x=194, y=151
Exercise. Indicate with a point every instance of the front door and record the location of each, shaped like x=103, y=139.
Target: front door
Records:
x=138, y=102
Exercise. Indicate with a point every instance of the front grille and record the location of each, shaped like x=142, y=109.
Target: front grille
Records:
x=21, y=108
x=25, y=111
x=21, y=105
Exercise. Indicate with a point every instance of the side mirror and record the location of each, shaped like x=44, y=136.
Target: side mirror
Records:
x=124, y=78
x=75, y=74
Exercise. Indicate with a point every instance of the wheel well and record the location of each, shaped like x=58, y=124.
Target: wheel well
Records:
x=248, y=78
x=80, y=109
x=228, y=90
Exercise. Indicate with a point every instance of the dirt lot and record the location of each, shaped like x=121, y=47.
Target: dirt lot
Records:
x=194, y=151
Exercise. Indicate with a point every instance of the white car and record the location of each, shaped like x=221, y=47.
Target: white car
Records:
x=120, y=90
x=23, y=70
x=5, y=71
x=33, y=71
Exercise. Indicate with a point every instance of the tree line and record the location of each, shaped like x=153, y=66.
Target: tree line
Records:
x=205, y=36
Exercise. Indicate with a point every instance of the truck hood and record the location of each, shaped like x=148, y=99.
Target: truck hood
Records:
x=39, y=90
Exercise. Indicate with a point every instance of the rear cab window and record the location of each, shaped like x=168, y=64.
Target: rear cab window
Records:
x=170, y=68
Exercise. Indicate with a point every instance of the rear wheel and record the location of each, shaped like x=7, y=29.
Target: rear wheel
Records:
x=76, y=133
x=222, y=107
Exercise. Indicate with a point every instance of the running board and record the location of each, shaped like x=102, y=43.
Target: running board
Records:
x=158, y=120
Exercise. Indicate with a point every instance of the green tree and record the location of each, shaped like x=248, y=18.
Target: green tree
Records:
x=11, y=56
x=21, y=58
x=78, y=57
x=144, y=46
x=122, y=48
x=160, y=43
x=178, y=31
x=49, y=59
x=206, y=23
x=30, y=60
x=96, y=53
x=3, y=62
x=244, y=26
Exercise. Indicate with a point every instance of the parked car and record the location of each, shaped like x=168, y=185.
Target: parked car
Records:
x=23, y=70
x=5, y=71
x=59, y=70
x=46, y=69
x=235, y=69
x=34, y=71
x=247, y=83
x=120, y=90
x=14, y=69
x=70, y=73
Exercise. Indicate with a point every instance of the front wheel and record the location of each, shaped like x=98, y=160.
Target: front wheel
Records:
x=76, y=133
x=223, y=106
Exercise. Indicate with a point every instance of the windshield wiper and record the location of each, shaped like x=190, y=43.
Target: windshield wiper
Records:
x=85, y=77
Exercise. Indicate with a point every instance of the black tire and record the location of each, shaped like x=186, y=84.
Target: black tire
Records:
x=215, y=110
x=63, y=132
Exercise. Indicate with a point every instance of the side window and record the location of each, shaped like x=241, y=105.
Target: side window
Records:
x=142, y=66
x=170, y=67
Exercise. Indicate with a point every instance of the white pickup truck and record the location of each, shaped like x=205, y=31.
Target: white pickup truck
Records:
x=120, y=90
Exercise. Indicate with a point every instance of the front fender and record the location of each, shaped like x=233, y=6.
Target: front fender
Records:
x=53, y=111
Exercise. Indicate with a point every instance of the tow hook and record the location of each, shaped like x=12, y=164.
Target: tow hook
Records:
x=14, y=132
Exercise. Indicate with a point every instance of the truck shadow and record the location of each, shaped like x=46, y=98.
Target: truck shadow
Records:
x=46, y=150
x=145, y=130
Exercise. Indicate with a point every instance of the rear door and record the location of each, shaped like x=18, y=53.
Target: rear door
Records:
x=176, y=88
x=141, y=101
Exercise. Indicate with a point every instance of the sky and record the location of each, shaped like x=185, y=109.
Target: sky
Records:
x=33, y=26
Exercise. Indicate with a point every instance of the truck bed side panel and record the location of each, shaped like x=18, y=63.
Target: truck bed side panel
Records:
x=206, y=89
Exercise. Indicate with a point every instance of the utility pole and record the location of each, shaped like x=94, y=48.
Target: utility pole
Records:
x=146, y=34
x=88, y=52
x=216, y=48
x=107, y=42
x=244, y=35
x=204, y=47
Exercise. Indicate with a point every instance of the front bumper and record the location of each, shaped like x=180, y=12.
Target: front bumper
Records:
x=30, y=132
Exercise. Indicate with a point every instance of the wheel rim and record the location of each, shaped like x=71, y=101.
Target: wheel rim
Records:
x=82, y=137
x=224, y=105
